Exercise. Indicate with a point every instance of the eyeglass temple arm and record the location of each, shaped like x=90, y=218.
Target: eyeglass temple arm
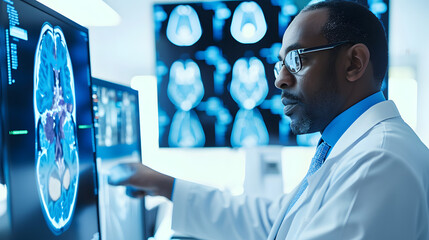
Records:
x=316, y=49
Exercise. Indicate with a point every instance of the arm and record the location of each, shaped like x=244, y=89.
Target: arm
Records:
x=199, y=210
x=209, y=213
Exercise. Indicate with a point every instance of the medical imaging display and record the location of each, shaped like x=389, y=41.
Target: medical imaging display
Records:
x=57, y=161
x=116, y=113
x=47, y=116
x=214, y=65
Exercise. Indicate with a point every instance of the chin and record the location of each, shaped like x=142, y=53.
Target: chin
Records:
x=300, y=126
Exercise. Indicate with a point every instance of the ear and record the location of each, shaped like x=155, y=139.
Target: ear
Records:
x=358, y=56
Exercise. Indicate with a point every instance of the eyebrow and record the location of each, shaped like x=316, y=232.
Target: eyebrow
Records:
x=291, y=47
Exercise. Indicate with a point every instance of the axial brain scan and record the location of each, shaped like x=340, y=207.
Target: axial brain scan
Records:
x=57, y=162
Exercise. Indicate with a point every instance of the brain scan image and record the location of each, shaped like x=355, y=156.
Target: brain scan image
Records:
x=184, y=27
x=249, y=86
x=185, y=90
x=248, y=23
x=57, y=162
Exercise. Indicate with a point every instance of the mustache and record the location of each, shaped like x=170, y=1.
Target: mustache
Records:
x=290, y=96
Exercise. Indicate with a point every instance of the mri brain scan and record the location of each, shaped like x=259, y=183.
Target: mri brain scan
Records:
x=184, y=27
x=57, y=162
x=248, y=23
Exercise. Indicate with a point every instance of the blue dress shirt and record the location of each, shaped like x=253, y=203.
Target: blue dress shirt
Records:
x=337, y=127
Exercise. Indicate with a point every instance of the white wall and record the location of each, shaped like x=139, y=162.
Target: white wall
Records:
x=120, y=53
x=409, y=38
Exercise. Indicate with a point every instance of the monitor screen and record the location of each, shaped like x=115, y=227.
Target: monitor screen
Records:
x=48, y=125
x=214, y=65
x=117, y=127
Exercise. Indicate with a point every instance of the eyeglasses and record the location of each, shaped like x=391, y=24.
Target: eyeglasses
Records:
x=292, y=61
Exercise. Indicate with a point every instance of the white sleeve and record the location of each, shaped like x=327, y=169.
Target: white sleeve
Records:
x=209, y=213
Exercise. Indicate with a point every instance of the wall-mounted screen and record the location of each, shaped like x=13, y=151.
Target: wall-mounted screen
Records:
x=116, y=120
x=48, y=126
x=214, y=65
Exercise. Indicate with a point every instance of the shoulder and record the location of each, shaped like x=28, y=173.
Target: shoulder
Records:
x=380, y=133
x=388, y=152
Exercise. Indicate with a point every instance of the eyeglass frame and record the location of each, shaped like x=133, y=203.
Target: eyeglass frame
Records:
x=280, y=64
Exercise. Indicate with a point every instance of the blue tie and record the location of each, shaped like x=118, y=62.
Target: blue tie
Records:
x=317, y=161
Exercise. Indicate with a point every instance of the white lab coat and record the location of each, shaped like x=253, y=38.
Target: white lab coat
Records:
x=373, y=185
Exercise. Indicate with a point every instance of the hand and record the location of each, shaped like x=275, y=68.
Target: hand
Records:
x=141, y=180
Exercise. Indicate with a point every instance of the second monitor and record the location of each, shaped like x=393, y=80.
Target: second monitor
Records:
x=116, y=121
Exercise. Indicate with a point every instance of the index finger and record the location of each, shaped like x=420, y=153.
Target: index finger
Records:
x=120, y=174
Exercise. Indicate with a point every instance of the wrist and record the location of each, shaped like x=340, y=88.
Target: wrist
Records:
x=165, y=186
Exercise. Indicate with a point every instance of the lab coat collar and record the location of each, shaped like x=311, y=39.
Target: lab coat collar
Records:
x=376, y=114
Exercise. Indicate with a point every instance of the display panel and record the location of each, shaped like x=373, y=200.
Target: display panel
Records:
x=48, y=125
x=214, y=65
x=116, y=113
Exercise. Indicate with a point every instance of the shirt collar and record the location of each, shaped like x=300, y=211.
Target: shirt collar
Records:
x=337, y=127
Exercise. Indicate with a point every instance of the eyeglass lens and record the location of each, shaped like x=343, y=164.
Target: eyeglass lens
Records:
x=292, y=61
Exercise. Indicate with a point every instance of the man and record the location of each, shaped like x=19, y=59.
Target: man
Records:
x=369, y=178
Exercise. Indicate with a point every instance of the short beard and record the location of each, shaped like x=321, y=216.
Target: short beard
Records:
x=301, y=127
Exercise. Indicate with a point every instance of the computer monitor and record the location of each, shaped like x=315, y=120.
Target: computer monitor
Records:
x=214, y=66
x=117, y=127
x=48, y=137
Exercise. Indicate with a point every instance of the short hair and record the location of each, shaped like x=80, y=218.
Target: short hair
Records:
x=349, y=21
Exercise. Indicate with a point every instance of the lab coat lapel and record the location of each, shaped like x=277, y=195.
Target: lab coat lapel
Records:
x=282, y=215
x=364, y=123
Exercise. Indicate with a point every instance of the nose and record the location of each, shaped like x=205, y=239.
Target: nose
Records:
x=285, y=79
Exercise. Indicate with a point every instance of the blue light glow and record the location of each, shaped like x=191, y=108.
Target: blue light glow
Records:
x=249, y=85
x=185, y=87
x=249, y=129
x=248, y=23
x=215, y=107
x=185, y=90
x=183, y=28
x=378, y=7
x=186, y=130
x=213, y=56
x=57, y=160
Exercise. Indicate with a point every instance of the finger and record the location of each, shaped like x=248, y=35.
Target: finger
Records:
x=120, y=174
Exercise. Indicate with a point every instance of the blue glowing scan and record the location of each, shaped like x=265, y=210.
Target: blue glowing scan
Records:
x=214, y=107
x=213, y=56
x=288, y=11
x=57, y=161
x=276, y=108
x=108, y=131
x=249, y=85
x=186, y=130
x=248, y=23
x=271, y=54
x=159, y=15
x=224, y=82
x=221, y=13
x=163, y=121
x=249, y=88
x=378, y=7
x=185, y=87
x=184, y=28
x=249, y=129
x=185, y=90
